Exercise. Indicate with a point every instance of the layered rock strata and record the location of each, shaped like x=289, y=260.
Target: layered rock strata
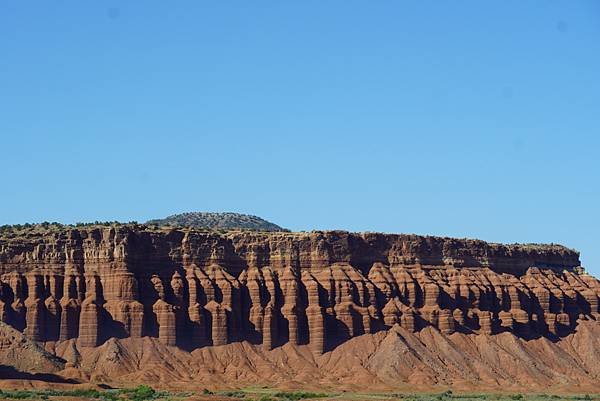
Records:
x=193, y=289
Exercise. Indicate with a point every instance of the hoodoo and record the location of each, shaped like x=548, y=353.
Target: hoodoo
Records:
x=129, y=303
x=195, y=288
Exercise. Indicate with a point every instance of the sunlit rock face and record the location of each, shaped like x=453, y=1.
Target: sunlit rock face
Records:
x=193, y=289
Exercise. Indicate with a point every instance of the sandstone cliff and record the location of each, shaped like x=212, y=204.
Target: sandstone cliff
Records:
x=194, y=289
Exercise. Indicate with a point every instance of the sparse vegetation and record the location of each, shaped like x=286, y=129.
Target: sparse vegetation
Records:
x=233, y=394
x=55, y=226
x=298, y=395
x=449, y=396
x=217, y=221
x=140, y=393
x=147, y=393
x=90, y=394
x=266, y=398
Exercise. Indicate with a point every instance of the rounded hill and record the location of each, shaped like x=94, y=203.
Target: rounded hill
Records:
x=226, y=221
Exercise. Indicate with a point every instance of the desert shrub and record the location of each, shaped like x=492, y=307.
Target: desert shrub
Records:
x=233, y=394
x=142, y=393
x=46, y=394
x=445, y=394
x=83, y=393
x=471, y=396
x=17, y=394
x=298, y=395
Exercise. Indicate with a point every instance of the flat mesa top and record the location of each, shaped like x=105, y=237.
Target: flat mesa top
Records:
x=326, y=246
x=32, y=231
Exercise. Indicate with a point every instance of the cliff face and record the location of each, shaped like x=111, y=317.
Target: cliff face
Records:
x=194, y=289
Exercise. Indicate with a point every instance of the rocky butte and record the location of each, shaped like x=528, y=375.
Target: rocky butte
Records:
x=160, y=304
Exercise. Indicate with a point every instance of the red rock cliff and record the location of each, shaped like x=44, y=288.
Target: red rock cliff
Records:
x=194, y=289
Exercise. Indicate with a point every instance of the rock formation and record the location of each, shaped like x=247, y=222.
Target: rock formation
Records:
x=192, y=288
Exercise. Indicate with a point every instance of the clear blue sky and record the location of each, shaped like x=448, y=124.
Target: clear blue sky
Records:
x=468, y=119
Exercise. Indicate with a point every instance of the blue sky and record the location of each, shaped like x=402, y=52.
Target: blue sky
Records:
x=468, y=119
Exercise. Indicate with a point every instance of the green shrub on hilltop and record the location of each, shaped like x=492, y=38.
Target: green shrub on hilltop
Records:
x=221, y=222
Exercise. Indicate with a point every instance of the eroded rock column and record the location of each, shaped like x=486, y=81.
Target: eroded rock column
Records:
x=89, y=321
x=315, y=315
x=36, y=309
